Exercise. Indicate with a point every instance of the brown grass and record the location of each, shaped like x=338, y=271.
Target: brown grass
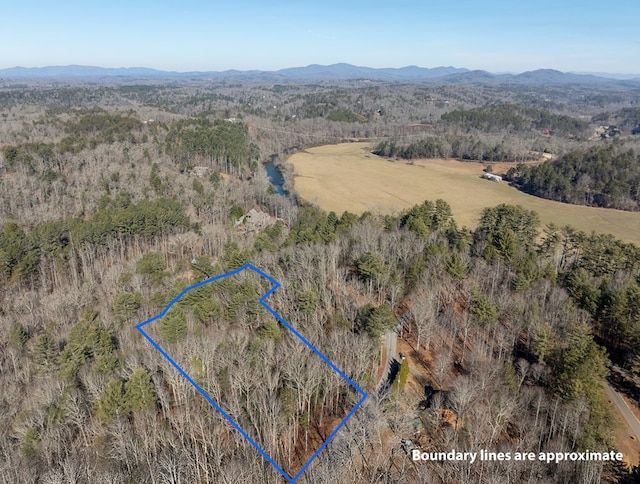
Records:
x=347, y=177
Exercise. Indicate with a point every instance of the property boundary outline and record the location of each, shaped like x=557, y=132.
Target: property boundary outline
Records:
x=276, y=284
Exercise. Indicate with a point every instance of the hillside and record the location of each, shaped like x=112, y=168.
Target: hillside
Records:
x=607, y=176
x=148, y=203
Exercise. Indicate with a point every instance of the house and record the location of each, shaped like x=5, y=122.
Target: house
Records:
x=254, y=221
x=201, y=171
x=492, y=177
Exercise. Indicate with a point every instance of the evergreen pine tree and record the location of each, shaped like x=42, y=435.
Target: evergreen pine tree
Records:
x=173, y=326
x=139, y=393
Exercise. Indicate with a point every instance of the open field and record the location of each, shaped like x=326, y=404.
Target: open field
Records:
x=348, y=177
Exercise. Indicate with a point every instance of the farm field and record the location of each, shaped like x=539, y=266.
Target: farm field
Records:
x=347, y=177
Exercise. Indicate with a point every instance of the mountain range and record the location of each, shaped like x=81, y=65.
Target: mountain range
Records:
x=317, y=72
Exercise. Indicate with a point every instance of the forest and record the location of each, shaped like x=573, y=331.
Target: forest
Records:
x=454, y=146
x=498, y=132
x=115, y=198
x=601, y=176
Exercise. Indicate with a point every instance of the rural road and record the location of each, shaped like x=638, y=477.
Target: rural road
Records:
x=389, y=344
x=389, y=349
x=624, y=410
x=390, y=341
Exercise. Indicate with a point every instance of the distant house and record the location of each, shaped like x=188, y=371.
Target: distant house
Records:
x=492, y=177
x=605, y=132
x=201, y=171
x=254, y=220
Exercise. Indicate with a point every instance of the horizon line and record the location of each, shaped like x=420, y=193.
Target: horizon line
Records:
x=225, y=70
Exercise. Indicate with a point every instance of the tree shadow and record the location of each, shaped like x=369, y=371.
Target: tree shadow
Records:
x=394, y=368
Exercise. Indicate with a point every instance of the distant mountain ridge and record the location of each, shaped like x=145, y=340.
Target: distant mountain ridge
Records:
x=74, y=71
x=316, y=72
x=347, y=71
x=313, y=72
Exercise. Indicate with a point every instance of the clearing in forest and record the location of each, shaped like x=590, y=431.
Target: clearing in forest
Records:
x=348, y=177
x=271, y=384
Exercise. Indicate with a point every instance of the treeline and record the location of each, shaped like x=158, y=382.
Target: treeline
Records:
x=513, y=118
x=502, y=319
x=489, y=304
x=585, y=265
x=346, y=116
x=600, y=177
x=99, y=126
x=603, y=279
x=334, y=105
x=599, y=272
x=627, y=119
x=314, y=225
x=224, y=145
x=86, y=129
x=452, y=146
x=24, y=155
x=630, y=119
x=22, y=251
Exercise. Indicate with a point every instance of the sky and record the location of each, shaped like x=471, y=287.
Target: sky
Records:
x=189, y=35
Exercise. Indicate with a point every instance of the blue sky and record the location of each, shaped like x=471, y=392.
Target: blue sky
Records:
x=498, y=35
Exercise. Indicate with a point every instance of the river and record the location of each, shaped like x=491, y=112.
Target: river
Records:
x=275, y=178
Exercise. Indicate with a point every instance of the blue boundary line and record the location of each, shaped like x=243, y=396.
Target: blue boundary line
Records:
x=276, y=284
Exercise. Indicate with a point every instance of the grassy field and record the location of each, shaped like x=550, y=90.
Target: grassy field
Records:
x=348, y=177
